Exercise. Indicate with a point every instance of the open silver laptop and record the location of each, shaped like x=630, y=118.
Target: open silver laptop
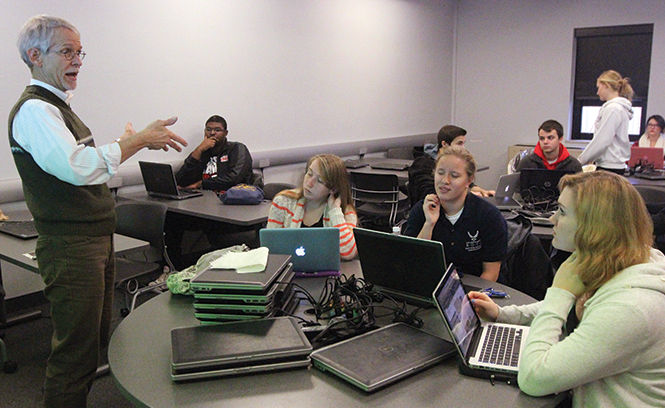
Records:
x=483, y=346
x=508, y=185
x=159, y=181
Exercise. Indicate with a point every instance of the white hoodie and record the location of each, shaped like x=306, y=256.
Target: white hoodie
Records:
x=610, y=146
x=616, y=355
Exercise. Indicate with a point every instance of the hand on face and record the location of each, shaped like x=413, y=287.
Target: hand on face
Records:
x=431, y=208
x=156, y=136
x=207, y=144
x=334, y=201
x=484, y=306
x=567, y=278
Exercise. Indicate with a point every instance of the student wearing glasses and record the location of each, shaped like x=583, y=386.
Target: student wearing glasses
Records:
x=323, y=200
x=609, y=295
x=472, y=230
x=216, y=163
x=64, y=175
x=653, y=136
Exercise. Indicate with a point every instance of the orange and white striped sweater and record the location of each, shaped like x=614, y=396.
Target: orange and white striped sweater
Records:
x=286, y=212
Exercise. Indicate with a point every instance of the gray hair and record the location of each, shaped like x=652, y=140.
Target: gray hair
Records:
x=37, y=32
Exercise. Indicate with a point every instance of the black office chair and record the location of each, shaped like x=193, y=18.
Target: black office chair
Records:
x=378, y=197
x=8, y=366
x=654, y=197
x=270, y=190
x=144, y=221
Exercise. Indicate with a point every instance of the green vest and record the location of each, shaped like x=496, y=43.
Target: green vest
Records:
x=58, y=207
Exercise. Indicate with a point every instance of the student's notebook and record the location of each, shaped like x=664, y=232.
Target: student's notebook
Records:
x=159, y=181
x=314, y=251
x=238, y=348
x=381, y=357
x=403, y=267
x=485, y=349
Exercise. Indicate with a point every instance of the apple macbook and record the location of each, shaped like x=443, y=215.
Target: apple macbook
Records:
x=378, y=358
x=402, y=267
x=484, y=348
x=314, y=251
x=508, y=185
x=539, y=188
x=159, y=181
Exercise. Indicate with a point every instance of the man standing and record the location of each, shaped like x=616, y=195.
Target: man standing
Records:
x=216, y=164
x=550, y=153
x=64, y=175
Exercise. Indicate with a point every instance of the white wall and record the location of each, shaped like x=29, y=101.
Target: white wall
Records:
x=514, y=66
x=283, y=73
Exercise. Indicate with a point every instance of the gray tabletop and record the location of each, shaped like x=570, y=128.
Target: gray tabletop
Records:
x=140, y=352
x=210, y=207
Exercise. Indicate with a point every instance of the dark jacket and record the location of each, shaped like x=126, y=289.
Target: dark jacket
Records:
x=527, y=266
x=220, y=168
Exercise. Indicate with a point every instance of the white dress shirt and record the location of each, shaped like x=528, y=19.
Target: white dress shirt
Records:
x=40, y=129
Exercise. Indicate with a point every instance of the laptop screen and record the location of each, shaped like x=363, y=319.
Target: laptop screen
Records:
x=454, y=305
x=540, y=187
x=400, y=265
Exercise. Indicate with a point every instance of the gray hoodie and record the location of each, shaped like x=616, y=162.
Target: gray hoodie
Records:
x=610, y=146
x=616, y=355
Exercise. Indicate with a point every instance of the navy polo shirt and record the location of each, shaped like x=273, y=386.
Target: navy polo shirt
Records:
x=479, y=235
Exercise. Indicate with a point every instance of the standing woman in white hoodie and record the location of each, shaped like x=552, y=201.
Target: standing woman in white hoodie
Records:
x=610, y=146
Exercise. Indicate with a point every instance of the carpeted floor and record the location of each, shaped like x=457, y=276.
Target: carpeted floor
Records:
x=28, y=344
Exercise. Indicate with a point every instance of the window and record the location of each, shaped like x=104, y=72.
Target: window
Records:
x=626, y=49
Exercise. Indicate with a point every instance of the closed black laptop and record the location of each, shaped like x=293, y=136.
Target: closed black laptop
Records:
x=238, y=348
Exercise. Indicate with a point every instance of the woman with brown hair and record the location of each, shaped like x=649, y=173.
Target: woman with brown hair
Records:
x=615, y=284
x=323, y=200
x=610, y=146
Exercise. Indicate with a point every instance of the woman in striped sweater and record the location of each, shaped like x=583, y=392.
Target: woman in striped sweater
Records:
x=324, y=200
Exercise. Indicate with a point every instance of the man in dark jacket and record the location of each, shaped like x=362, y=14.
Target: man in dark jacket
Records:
x=550, y=153
x=216, y=164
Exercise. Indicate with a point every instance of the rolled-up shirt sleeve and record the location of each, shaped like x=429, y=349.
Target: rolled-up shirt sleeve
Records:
x=40, y=129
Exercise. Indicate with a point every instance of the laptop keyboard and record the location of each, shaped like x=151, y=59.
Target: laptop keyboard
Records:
x=502, y=346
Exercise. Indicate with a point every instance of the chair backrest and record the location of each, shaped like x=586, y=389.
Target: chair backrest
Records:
x=654, y=197
x=270, y=190
x=144, y=221
x=374, y=188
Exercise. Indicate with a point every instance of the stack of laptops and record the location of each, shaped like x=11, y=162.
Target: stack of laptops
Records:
x=402, y=267
x=380, y=357
x=222, y=295
x=314, y=251
x=159, y=181
x=238, y=348
x=486, y=350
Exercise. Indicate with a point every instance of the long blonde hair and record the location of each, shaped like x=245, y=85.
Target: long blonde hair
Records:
x=334, y=176
x=614, y=229
x=616, y=82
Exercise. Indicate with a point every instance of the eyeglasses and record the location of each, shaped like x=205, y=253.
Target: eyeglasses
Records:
x=216, y=129
x=653, y=125
x=68, y=54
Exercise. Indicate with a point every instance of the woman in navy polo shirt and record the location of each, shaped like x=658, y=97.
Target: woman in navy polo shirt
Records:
x=473, y=231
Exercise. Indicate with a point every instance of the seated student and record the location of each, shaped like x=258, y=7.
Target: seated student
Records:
x=324, y=200
x=653, y=136
x=549, y=152
x=472, y=230
x=615, y=283
x=216, y=163
x=421, y=172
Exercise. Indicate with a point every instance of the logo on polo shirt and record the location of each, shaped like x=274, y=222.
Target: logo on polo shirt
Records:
x=474, y=244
